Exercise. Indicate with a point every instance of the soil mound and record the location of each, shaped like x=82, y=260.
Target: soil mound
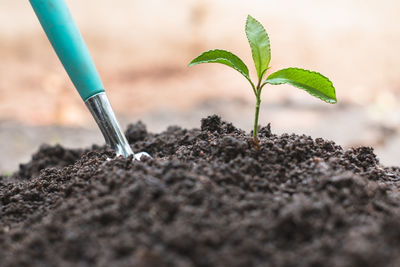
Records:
x=207, y=198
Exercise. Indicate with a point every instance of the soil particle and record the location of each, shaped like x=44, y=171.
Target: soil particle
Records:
x=46, y=157
x=207, y=198
x=136, y=132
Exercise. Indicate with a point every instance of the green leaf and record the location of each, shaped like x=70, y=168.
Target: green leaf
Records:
x=313, y=82
x=259, y=43
x=222, y=57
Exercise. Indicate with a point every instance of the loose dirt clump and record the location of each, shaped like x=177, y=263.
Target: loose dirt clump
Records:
x=207, y=198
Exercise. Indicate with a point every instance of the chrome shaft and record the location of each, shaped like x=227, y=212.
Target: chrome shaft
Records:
x=101, y=110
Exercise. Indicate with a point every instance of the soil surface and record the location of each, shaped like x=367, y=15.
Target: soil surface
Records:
x=207, y=198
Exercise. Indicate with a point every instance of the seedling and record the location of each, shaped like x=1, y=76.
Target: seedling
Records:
x=313, y=82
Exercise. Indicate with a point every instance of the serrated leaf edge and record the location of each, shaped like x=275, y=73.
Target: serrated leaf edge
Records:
x=246, y=75
x=252, y=50
x=311, y=72
x=221, y=58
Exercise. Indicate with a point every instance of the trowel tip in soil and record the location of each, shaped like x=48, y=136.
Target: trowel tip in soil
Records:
x=138, y=156
x=100, y=107
x=135, y=156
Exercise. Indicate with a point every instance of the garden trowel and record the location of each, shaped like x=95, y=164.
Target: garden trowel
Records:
x=67, y=41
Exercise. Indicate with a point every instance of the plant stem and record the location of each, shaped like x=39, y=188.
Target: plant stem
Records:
x=258, y=101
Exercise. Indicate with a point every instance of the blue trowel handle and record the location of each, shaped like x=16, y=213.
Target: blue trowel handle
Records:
x=67, y=41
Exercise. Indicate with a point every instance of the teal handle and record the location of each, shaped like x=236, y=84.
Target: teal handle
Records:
x=67, y=41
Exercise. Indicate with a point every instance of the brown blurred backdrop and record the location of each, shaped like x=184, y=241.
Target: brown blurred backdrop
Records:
x=142, y=49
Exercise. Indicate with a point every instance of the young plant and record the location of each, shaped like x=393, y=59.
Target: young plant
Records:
x=313, y=82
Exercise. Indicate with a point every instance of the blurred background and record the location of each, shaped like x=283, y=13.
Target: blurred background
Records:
x=142, y=49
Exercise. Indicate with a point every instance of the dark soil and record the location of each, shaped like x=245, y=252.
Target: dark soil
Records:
x=206, y=199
